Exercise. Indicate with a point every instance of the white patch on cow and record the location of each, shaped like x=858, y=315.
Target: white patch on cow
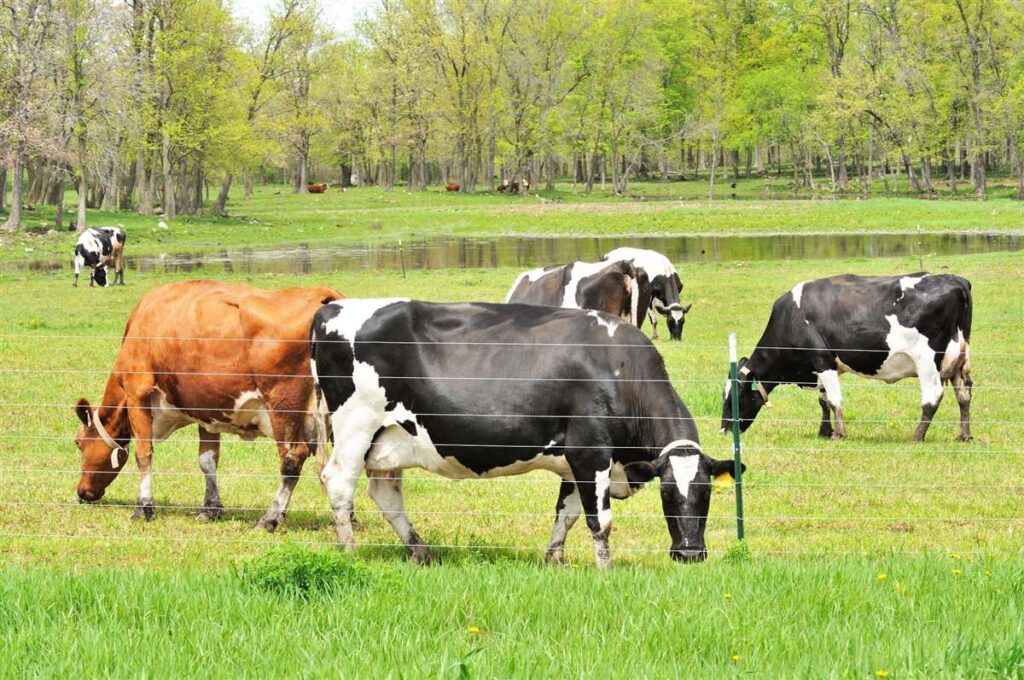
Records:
x=951, y=357
x=829, y=381
x=578, y=272
x=798, y=293
x=354, y=313
x=651, y=261
x=906, y=283
x=606, y=321
x=146, y=487
x=728, y=387
x=532, y=276
x=684, y=470
x=909, y=356
x=208, y=463
x=550, y=444
x=677, y=314
x=248, y=419
x=620, y=487
x=602, y=482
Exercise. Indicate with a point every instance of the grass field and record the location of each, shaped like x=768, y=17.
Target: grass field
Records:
x=870, y=554
x=275, y=216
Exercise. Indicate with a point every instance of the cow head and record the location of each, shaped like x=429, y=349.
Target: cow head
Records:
x=675, y=318
x=103, y=446
x=99, y=275
x=686, y=475
x=753, y=395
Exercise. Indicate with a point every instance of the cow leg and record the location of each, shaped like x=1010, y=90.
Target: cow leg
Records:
x=293, y=456
x=385, y=488
x=354, y=428
x=833, y=398
x=141, y=420
x=825, y=430
x=209, y=457
x=962, y=386
x=931, y=396
x=593, y=482
x=567, y=511
x=654, y=323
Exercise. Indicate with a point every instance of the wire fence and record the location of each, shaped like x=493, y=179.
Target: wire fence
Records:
x=1003, y=496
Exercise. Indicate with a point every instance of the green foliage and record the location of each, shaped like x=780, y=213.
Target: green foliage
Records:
x=295, y=571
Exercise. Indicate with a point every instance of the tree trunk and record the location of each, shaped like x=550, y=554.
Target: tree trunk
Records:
x=144, y=180
x=14, y=218
x=3, y=188
x=219, y=206
x=714, y=164
x=57, y=194
x=169, y=206
x=247, y=183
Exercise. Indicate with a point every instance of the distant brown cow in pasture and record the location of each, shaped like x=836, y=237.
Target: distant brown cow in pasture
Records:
x=316, y=188
x=452, y=185
x=226, y=357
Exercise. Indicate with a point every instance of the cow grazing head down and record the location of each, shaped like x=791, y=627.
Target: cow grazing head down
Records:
x=675, y=317
x=103, y=448
x=99, y=275
x=686, y=475
x=753, y=396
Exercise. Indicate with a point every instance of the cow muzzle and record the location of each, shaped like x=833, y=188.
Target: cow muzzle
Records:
x=88, y=495
x=688, y=555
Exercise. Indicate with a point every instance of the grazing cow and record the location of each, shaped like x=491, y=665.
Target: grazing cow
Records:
x=316, y=188
x=225, y=357
x=98, y=249
x=513, y=186
x=617, y=288
x=665, y=288
x=882, y=327
x=478, y=390
x=452, y=185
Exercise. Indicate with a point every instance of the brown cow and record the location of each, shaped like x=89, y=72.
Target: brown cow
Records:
x=316, y=188
x=452, y=185
x=226, y=357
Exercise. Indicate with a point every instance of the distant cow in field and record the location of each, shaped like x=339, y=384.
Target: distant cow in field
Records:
x=98, y=249
x=617, y=288
x=225, y=357
x=665, y=288
x=513, y=186
x=452, y=185
x=316, y=188
x=472, y=391
x=881, y=327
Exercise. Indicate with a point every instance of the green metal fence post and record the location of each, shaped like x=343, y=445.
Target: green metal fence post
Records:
x=737, y=447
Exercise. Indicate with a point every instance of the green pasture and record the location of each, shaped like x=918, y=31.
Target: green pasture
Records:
x=869, y=554
x=275, y=216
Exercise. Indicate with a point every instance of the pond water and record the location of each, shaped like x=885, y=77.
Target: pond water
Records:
x=526, y=252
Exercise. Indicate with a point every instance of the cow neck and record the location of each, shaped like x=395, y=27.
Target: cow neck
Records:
x=664, y=421
x=113, y=412
x=762, y=364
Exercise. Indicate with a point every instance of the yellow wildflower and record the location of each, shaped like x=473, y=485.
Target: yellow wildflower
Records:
x=881, y=674
x=881, y=577
x=473, y=630
x=727, y=596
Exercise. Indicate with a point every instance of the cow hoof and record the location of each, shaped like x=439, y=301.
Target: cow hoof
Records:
x=555, y=557
x=966, y=438
x=144, y=512
x=826, y=434
x=420, y=554
x=835, y=436
x=209, y=514
x=268, y=523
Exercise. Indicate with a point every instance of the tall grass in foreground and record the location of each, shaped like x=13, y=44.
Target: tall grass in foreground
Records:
x=926, y=616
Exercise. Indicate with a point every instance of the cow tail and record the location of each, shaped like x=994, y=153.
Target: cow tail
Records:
x=634, y=299
x=322, y=425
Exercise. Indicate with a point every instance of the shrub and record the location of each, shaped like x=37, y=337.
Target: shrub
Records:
x=299, y=572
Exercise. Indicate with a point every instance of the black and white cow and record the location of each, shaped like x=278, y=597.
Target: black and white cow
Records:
x=479, y=390
x=617, y=288
x=98, y=249
x=882, y=327
x=665, y=288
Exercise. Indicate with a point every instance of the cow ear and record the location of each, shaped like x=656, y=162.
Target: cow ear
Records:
x=84, y=412
x=640, y=472
x=724, y=467
x=687, y=308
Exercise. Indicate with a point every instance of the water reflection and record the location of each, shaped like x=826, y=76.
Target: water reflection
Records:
x=524, y=252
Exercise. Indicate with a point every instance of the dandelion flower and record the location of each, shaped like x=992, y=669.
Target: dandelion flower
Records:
x=882, y=577
x=881, y=674
x=957, y=572
x=473, y=630
x=727, y=596
x=735, y=658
